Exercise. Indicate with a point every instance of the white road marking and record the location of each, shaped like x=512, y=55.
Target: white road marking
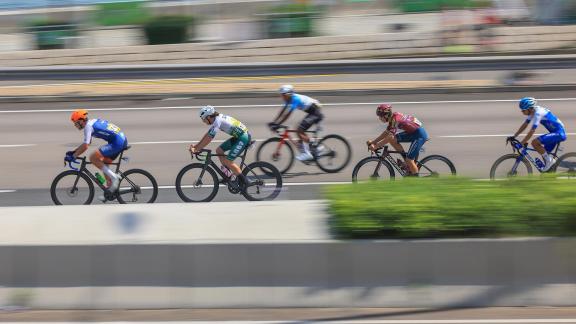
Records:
x=16, y=145
x=7, y=191
x=23, y=111
x=285, y=184
x=182, y=142
x=488, y=135
x=374, y=321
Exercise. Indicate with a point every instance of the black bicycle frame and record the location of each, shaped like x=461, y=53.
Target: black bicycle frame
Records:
x=208, y=161
x=385, y=154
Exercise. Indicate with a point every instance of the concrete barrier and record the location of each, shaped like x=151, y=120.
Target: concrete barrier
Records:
x=506, y=39
x=260, y=255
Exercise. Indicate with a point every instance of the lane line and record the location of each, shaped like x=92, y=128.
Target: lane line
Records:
x=375, y=321
x=276, y=105
x=16, y=145
x=285, y=184
x=7, y=191
x=183, y=142
x=489, y=135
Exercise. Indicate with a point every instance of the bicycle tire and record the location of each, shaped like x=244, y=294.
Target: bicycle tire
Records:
x=365, y=163
x=270, y=172
x=444, y=160
x=289, y=158
x=571, y=172
x=505, y=157
x=347, y=158
x=59, y=177
x=153, y=183
x=180, y=187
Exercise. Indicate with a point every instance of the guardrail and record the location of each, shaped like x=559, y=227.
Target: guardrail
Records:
x=415, y=65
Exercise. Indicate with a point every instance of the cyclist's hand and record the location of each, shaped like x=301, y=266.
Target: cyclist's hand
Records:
x=192, y=149
x=69, y=157
x=510, y=139
x=273, y=126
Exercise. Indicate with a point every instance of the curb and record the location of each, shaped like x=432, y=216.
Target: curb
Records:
x=260, y=94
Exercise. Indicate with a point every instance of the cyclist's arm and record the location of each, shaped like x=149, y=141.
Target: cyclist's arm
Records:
x=376, y=142
x=206, y=139
x=528, y=136
x=279, y=119
x=285, y=117
x=80, y=150
x=522, y=128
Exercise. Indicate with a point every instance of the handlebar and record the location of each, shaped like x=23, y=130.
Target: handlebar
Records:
x=199, y=154
x=516, y=144
x=74, y=162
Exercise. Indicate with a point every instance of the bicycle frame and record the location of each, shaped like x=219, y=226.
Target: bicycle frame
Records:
x=385, y=154
x=524, y=152
x=209, y=162
x=286, y=138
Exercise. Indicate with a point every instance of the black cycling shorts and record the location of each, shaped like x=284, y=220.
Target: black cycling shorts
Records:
x=314, y=116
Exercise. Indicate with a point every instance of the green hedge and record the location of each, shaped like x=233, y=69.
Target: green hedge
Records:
x=453, y=207
x=168, y=29
x=122, y=13
x=291, y=20
x=51, y=34
x=437, y=5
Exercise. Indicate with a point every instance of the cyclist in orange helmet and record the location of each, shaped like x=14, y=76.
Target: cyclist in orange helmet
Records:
x=106, y=154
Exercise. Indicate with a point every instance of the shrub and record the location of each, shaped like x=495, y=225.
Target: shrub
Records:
x=292, y=20
x=453, y=207
x=168, y=29
x=51, y=34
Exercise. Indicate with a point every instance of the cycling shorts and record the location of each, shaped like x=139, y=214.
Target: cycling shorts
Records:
x=417, y=140
x=235, y=145
x=550, y=140
x=314, y=116
x=114, y=148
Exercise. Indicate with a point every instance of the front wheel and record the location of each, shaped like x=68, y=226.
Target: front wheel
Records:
x=196, y=184
x=137, y=186
x=372, y=168
x=264, y=181
x=333, y=153
x=509, y=166
x=276, y=152
x=72, y=188
x=436, y=166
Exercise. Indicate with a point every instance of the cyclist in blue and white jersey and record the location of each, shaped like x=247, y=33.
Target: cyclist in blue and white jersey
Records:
x=294, y=101
x=543, y=144
x=106, y=131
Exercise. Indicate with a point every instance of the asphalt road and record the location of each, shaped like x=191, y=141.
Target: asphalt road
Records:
x=469, y=129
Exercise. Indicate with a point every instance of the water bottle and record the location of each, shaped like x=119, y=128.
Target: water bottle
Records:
x=226, y=171
x=100, y=178
x=539, y=163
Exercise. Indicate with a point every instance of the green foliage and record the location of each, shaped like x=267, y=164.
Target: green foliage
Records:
x=291, y=20
x=122, y=13
x=453, y=207
x=51, y=34
x=436, y=5
x=168, y=29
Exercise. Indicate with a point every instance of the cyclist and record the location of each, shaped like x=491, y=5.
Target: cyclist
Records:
x=106, y=154
x=543, y=144
x=235, y=145
x=294, y=101
x=413, y=132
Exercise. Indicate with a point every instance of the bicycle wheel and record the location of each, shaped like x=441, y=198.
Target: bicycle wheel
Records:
x=565, y=167
x=279, y=155
x=137, y=186
x=264, y=181
x=372, y=168
x=333, y=153
x=194, y=184
x=72, y=188
x=509, y=166
x=435, y=166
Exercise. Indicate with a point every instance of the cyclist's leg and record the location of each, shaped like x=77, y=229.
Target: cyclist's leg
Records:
x=419, y=137
x=106, y=155
x=547, y=142
x=234, y=146
x=311, y=119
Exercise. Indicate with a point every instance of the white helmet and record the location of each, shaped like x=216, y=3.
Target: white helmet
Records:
x=286, y=89
x=206, y=111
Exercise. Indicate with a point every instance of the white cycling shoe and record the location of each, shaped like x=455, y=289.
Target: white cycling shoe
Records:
x=305, y=156
x=549, y=163
x=113, y=187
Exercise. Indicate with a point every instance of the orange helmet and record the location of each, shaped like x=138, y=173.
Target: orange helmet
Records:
x=79, y=114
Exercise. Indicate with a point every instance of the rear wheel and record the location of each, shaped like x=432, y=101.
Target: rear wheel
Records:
x=72, y=188
x=436, y=166
x=194, y=184
x=565, y=167
x=372, y=168
x=137, y=186
x=510, y=166
x=333, y=153
x=264, y=181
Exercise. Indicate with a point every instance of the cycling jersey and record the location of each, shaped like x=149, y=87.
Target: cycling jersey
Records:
x=407, y=123
x=300, y=102
x=228, y=125
x=102, y=129
x=545, y=117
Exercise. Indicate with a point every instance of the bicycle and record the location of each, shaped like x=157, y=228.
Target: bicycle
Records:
x=202, y=179
x=78, y=184
x=325, y=150
x=370, y=168
x=522, y=162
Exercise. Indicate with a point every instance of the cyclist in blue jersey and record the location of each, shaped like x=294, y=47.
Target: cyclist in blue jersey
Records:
x=294, y=101
x=543, y=144
x=106, y=154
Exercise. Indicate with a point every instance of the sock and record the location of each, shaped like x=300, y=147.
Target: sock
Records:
x=109, y=172
x=306, y=147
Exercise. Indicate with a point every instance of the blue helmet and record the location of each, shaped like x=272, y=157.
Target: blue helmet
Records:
x=527, y=103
